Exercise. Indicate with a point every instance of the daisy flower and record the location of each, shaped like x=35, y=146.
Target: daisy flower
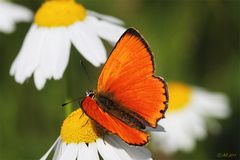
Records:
x=81, y=138
x=58, y=24
x=10, y=14
x=190, y=109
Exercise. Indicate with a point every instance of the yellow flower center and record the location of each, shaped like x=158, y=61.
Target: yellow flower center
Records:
x=180, y=95
x=54, y=13
x=77, y=128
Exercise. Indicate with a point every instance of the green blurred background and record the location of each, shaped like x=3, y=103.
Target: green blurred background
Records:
x=193, y=41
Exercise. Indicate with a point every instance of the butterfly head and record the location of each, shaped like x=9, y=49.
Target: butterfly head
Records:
x=90, y=93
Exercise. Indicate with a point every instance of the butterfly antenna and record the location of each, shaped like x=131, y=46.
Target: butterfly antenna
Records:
x=74, y=100
x=85, y=70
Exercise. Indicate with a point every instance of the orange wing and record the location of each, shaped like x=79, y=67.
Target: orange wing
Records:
x=128, y=78
x=112, y=124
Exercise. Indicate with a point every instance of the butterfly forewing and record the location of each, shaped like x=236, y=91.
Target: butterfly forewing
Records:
x=128, y=78
x=127, y=81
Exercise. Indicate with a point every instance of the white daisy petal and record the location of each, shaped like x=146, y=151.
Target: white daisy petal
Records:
x=211, y=104
x=106, y=151
x=115, y=148
x=83, y=152
x=20, y=13
x=29, y=56
x=63, y=58
x=112, y=148
x=188, y=127
x=87, y=152
x=84, y=38
x=47, y=57
x=185, y=135
x=175, y=136
x=44, y=157
x=70, y=152
x=127, y=151
x=109, y=31
x=6, y=25
x=94, y=152
x=16, y=63
x=55, y=53
x=196, y=126
x=60, y=150
x=106, y=17
x=8, y=18
x=39, y=79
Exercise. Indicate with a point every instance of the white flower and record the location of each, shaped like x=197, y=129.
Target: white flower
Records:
x=190, y=109
x=10, y=14
x=58, y=24
x=111, y=148
x=80, y=139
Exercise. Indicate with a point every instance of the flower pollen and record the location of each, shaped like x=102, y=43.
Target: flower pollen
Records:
x=180, y=95
x=55, y=13
x=78, y=127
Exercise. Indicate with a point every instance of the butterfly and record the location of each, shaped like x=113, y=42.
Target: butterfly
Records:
x=128, y=97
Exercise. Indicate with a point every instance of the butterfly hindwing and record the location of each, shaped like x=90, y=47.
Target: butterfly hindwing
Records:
x=128, y=79
x=113, y=124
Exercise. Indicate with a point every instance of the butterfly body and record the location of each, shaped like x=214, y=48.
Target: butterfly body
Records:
x=128, y=96
x=117, y=110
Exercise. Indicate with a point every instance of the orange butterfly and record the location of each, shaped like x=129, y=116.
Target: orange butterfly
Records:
x=128, y=96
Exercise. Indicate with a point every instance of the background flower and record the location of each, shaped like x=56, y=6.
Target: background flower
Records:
x=187, y=118
x=57, y=25
x=10, y=14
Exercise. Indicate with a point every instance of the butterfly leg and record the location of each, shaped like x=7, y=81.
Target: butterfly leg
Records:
x=85, y=123
x=82, y=111
x=81, y=115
